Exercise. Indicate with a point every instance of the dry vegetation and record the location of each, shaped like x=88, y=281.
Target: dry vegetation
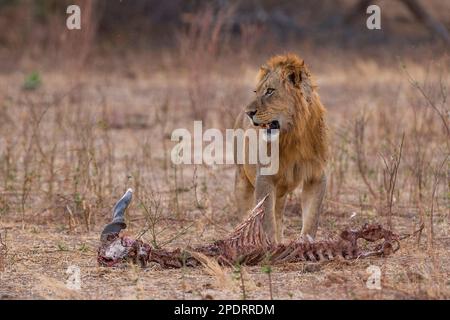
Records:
x=72, y=140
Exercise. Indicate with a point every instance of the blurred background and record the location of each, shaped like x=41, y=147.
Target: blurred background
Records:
x=35, y=29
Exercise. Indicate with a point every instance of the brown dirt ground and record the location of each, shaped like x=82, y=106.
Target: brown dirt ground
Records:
x=39, y=256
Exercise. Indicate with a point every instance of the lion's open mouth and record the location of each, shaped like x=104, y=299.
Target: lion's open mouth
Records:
x=271, y=125
x=271, y=130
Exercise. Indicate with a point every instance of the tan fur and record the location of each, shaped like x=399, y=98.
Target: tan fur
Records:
x=303, y=144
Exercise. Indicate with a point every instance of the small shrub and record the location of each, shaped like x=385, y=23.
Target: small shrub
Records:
x=32, y=81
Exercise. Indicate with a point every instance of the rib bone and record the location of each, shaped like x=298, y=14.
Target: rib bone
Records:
x=247, y=244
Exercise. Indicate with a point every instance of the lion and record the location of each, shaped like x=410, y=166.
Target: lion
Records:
x=286, y=99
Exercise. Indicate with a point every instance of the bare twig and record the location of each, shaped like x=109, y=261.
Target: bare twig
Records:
x=437, y=177
x=442, y=115
x=359, y=127
x=390, y=176
x=3, y=250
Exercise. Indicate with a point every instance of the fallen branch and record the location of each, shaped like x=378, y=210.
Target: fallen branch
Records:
x=248, y=244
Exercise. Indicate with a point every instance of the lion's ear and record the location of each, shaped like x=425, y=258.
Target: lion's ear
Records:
x=301, y=80
x=295, y=77
x=291, y=77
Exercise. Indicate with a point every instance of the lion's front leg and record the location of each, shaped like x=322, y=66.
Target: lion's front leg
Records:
x=280, y=204
x=244, y=192
x=312, y=198
x=264, y=186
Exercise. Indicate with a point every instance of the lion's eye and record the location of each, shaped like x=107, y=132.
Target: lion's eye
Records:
x=269, y=91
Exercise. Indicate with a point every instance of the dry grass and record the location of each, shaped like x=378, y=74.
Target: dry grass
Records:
x=72, y=145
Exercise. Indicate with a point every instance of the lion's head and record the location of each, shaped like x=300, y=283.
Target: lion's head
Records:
x=285, y=95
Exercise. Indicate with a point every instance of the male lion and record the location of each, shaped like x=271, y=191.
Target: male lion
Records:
x=286, y=99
